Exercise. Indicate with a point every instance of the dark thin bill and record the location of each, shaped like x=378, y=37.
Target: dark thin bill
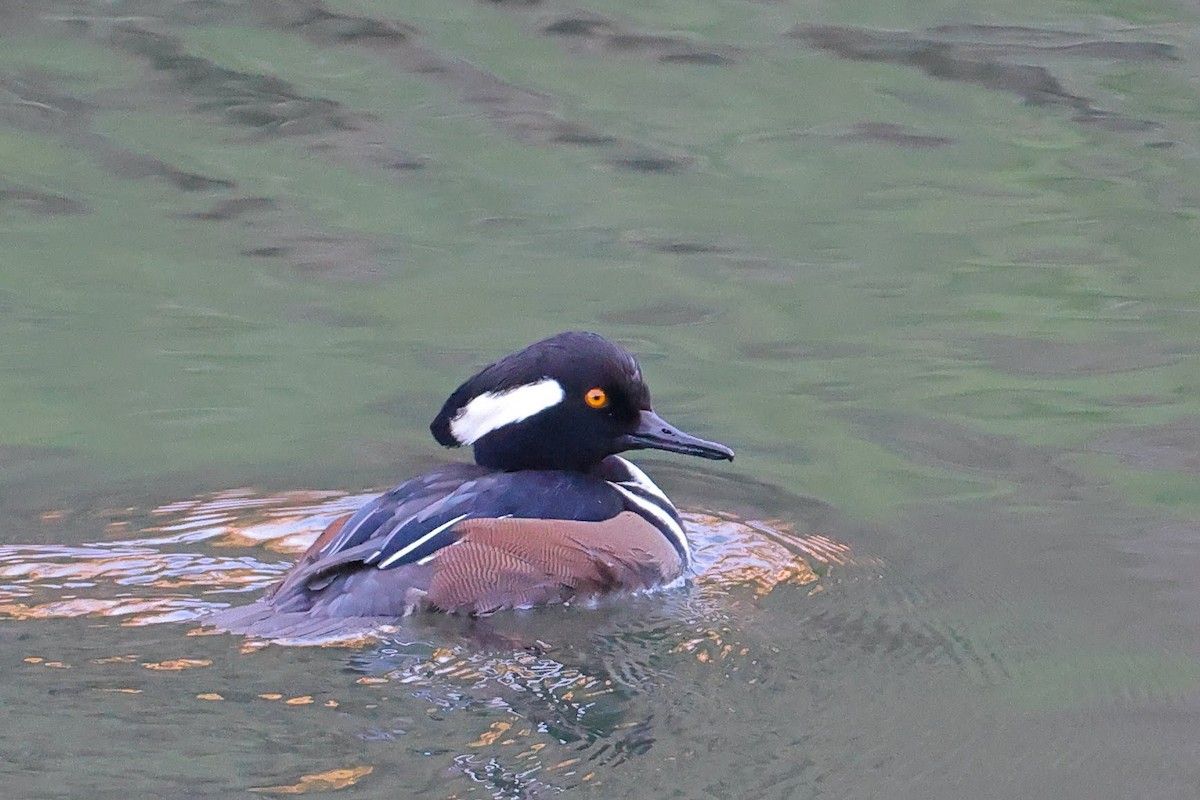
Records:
x=655, y=433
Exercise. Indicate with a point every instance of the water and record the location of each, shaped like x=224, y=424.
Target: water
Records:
x=928, y=268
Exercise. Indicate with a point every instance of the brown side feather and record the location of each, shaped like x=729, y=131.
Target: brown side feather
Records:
x=327, y=535
x=500, y=563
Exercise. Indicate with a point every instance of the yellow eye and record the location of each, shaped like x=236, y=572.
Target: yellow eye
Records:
x=596, y=397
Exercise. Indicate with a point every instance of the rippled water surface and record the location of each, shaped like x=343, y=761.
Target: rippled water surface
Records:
x=929, y=268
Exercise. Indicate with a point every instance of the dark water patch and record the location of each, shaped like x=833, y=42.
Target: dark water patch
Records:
x=1116, y=123
x=142, y=167
x=321, y=24
x=979, y=61
x=650, y=163
x=681, y=247
x=594, y=34
x=36, y=103
x=661, y=315
x=728, y=260
x=529, y=116
x=325, y=255
x=273, y=107
x=587, y=27
x=1035, y=85
x=42, y=204
x=232, y=208
x=44, y=109
x=893, y=134
x=269, y=105
x=366, y=148
x=875, y=132
x=1045, y=358
x=1016, y=39
x=571, y=133
x=660, y=243
x=267, y=251
x=703, y=59
x=317, y=21
x=1173, y=446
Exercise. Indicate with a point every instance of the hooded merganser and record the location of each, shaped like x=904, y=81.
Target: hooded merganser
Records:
x=547, y=513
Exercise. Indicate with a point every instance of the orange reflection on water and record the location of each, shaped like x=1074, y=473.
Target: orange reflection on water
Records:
x=321, y=781
x=758, y=555
x=82, y=607
x=285, y=522
x=177, y=664
x=491, y=735
x=190, y=557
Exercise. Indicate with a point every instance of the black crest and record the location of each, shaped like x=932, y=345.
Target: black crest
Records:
x=569, y=435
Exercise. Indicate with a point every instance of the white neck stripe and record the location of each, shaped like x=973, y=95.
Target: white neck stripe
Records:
x=492, y=410
x=642, y=481
x=659, y=513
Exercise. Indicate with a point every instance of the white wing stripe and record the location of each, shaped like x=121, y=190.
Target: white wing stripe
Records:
x=402, y=552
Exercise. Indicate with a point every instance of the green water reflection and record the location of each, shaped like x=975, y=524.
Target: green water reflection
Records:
x=941, y=280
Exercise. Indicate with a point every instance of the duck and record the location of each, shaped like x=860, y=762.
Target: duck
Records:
x=548, y=513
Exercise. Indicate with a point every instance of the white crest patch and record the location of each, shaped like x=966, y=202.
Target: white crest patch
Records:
x=492, y=410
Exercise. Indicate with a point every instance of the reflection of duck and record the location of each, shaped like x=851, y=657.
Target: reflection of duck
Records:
x=548, y=512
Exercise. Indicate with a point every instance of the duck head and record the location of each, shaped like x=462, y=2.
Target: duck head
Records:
x=564, y=403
